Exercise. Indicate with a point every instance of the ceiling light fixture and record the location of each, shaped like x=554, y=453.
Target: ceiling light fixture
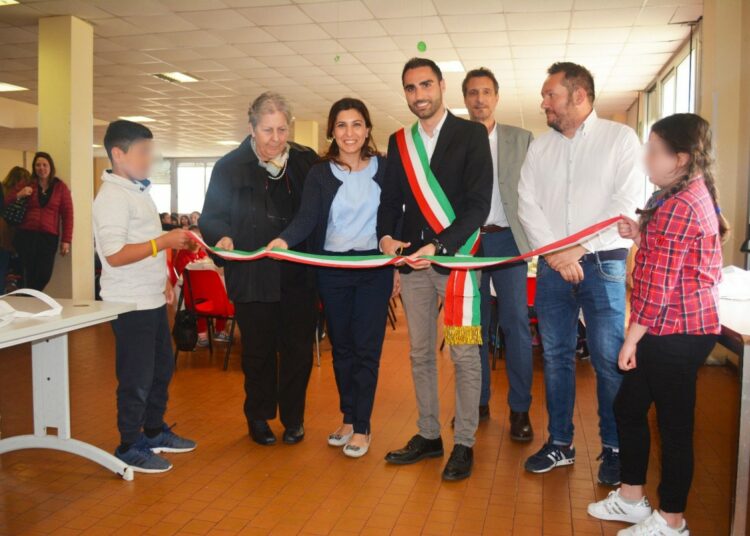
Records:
x=11, y=87
x=137, y=118
x=227, y=142
x=8, y=2
x=459, y=111
x=177, y=76
x=453, y=66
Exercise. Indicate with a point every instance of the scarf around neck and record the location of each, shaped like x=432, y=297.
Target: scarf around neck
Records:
x=275, y=167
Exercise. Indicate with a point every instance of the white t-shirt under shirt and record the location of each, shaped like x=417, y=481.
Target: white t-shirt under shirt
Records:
x=497, y=212
x=124, y=213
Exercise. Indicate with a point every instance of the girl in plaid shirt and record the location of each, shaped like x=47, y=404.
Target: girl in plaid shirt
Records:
x=673, y=324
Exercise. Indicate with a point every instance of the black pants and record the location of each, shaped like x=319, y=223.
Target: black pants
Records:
x=277, y=340
x=37, y=253
x=665, y=374
x=356, y=307
x=144, y=364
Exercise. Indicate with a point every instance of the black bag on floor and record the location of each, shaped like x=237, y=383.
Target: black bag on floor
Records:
x=185, y=331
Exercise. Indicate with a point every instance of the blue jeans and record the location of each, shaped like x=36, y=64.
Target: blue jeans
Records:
x=513, y=316
x=601, y=296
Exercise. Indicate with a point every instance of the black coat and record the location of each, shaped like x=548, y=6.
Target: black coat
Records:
x=236, y=206
x=311, y=222
x=462, y=164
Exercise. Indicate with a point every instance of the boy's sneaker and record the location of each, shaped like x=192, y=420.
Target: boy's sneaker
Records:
x=549, y=457
x=202, y=343
x=654, y=525
x=615, y=508
x=142, y=459
x=222, y=337
x=609, y=469
x=168, y=441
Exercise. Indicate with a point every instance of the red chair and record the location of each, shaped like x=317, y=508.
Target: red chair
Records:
x=206, y=296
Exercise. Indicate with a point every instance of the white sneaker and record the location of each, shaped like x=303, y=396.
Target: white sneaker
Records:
x=655, y=525
x=354, y=451
x=615, y=508
x=339, y=440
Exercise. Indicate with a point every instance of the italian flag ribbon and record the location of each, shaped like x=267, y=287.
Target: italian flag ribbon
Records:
x=462, y=301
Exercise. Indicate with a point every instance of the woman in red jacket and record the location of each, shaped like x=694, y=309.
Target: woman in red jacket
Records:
x=48, y=222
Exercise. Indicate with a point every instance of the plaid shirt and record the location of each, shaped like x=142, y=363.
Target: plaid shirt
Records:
x=678, y=266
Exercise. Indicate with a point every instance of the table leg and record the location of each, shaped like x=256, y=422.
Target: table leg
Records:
x=739, y=519
x=49, y=368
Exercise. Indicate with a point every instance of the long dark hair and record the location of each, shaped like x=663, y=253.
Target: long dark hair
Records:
x=48, y=158
x=690, y=134
x=368, y=149
x=17, y=175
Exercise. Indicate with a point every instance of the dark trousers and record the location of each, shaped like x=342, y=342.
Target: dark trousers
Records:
x=356, y=307
x=144, y=363
x=277, y=341
x=665, y=374
x=37, y=253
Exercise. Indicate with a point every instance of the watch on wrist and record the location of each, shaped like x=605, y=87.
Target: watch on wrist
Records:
x=440, y=249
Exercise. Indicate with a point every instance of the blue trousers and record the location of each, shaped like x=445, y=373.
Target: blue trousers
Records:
x=601, y=296
x=513, y=316
x=356, y=308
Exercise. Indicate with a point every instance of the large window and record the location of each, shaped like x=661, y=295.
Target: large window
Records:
x=678, y=87
x=192, y=180
x=161, y=185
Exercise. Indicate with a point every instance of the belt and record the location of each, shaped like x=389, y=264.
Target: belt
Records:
x=619, y=254
x=492, y=229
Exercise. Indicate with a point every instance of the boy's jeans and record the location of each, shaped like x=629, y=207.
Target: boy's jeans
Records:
x=144, y=364
x=601, y=296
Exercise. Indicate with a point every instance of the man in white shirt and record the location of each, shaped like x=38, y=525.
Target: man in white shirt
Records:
x=503, y=236
x=584, y=170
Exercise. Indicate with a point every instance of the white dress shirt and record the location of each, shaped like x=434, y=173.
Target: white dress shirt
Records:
x=568, y=184
x=430, y=141
x=497, y=212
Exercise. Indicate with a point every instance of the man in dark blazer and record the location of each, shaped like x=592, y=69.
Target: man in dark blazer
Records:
x=459, y=156
x=503, y=236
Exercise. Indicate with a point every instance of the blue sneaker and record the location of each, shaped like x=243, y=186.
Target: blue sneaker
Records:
x=609, y=470
x=549, y=457
x=168, y=441
x=142, y=459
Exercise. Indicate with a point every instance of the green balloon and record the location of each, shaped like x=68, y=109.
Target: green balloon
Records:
x=421, y=46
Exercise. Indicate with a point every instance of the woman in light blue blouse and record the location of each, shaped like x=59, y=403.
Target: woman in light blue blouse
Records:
x=339, y=211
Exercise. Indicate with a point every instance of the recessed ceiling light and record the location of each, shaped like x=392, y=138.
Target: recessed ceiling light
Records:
x=177, y=76
x=8, y=2
x=11, y=87
x=459, y=111
x=453, y=66
x=137, y=118
x=96, y=146
x=227, y=142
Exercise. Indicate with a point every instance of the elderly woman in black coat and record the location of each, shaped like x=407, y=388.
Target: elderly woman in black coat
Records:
x=254, y=193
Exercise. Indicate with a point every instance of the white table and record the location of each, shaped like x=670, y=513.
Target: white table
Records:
x=49, y=367
x=735, y=335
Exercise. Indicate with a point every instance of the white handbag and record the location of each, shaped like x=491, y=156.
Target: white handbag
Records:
x=8, y=313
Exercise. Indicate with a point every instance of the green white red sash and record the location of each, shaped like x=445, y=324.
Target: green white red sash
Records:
x=461, y=315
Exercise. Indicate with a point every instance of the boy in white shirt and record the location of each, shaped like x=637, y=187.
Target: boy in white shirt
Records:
x=130, y=244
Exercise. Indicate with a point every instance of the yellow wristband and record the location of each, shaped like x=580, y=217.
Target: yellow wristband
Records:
x=154, y=249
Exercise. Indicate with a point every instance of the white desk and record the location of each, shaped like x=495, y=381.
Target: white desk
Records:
x=49, y=368
x=735, y=335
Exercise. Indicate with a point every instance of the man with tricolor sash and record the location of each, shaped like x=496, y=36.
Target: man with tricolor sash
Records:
x=435, y=196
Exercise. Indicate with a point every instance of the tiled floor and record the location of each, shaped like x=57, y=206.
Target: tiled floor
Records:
x=230, y=485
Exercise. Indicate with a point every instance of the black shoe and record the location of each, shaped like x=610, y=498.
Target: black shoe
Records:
x=484, y=414
x=459, y=464
x=261, y=433
x=418, y=448
x=294, y=434
x=520, y=426
x=609, y=470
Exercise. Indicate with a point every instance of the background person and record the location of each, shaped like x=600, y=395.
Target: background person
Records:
x=503, y=236
x=584, y=170
x=674, y=322
x=255, y=191
x=15, y=177
x=48, y=222
x=339, y=209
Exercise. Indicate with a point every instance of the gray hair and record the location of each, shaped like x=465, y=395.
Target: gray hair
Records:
x=269, y=102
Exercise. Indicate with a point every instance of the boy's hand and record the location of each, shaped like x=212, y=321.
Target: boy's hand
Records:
x=277, y=243
x=175, y=239
x=225, y=243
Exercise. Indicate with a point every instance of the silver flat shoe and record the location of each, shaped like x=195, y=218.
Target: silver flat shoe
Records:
x=339, y=440
x=354, y=451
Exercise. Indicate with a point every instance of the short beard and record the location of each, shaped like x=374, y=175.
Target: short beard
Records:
x=429, y=112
